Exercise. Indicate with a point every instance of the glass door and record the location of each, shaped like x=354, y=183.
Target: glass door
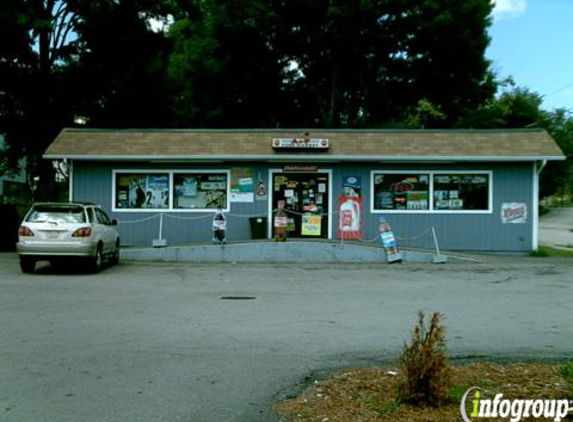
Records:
x=306, y=202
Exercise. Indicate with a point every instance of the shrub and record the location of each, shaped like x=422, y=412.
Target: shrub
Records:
x=539, y=252
x=424, y=364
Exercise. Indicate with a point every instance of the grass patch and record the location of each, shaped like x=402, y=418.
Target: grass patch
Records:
x=383, y=408
x=546, y=251
x=566, y=371
x=370, y=394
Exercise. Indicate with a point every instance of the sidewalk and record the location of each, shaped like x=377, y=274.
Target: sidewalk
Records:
x=266, y=251
x=556, y=228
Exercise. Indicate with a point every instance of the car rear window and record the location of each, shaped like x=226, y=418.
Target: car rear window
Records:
x=57, y=214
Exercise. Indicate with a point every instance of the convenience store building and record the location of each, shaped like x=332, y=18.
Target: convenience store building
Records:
x=478, y=189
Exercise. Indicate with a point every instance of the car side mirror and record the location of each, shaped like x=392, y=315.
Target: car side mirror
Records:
x=114, y=222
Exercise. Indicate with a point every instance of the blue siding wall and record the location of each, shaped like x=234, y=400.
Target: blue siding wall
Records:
x=92, y=181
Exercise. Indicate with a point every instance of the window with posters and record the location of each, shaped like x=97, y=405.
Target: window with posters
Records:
x=198, y=190
x=171, y=190
x=432, y=191
x=465, y=191
x=401, y=191
x=143, y=190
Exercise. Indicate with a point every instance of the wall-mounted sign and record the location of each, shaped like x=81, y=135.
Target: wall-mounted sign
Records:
x=513, y=213
x=242, y=189
x=350, y=217
x=300, y=168
x=300, y=143
x=352, y=186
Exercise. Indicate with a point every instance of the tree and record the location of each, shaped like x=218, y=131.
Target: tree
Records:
x=120, y=71
x=515, y=107
x=445, y=45
x=223, y=67
x=64, y=57
x=333, y=63
x=33, y=63
x=557, y=178
x=519, y=108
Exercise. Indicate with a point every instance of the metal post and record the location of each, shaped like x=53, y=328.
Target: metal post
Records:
x=435, y=240
x=157, y=243
x=437, y=259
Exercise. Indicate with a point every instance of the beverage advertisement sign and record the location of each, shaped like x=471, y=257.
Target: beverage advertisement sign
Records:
x=350, y=217
x=389, y=242
x=513, y=213
x=242, y=185
x=311, y=225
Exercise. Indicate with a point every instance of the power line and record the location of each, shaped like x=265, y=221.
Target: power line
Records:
x=559, y=90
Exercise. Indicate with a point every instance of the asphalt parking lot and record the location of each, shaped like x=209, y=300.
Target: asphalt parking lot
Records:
x=151, y=342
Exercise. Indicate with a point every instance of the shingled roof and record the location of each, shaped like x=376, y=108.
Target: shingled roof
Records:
x=345, y=145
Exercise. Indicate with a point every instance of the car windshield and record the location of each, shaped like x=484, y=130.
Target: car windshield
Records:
x=57, y=214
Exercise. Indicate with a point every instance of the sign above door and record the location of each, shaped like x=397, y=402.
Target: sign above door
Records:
x=300, y=143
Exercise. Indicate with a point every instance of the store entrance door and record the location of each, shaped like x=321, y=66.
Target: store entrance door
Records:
x=305, y=196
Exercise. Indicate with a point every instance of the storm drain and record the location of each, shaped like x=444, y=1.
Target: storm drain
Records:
x=237, y=297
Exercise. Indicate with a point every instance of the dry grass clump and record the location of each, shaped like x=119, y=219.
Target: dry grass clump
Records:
x=425, y=365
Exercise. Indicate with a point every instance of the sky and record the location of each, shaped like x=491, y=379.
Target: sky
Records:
x=532, y=41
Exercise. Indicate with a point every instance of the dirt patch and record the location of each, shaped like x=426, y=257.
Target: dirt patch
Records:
x=369, y=395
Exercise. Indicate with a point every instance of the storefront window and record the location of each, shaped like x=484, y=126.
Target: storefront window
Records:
x=461, y=192
x=401, y=191
x=200, y=190
x=142, y=190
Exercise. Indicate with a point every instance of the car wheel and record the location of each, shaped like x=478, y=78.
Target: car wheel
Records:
x=97, y=260
x=27, y=264
x=114, y=260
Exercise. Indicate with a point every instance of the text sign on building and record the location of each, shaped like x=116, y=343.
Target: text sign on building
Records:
x=513, y=213
x=300, y=143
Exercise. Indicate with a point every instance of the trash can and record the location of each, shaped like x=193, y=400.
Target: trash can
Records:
x=258, y=227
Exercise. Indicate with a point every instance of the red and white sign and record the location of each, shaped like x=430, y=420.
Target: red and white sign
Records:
x=350, y=217
x=513, y=213
x=300, y=143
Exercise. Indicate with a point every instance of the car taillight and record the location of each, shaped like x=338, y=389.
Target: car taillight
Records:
x=25, y=231
x=83, y=232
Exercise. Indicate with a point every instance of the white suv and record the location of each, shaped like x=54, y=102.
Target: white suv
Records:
x=54, y=231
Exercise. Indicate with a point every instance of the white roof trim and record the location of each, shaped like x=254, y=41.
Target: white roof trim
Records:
x=298, y=157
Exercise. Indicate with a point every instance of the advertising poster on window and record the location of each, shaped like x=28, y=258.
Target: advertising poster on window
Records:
x=200, y=191
x=142, y=191
x=350, y=217
x=394, y=191
x=242, y=185
x=311, y=225
x=513, y=213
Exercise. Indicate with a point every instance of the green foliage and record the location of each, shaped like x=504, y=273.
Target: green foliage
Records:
x=330, y=64
x=519, y=108
x=545, y=251
x=455, y=394
x=386, y=408
x=425, y=115
x=424, y=364
x=540, y=252
x=566, y=371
